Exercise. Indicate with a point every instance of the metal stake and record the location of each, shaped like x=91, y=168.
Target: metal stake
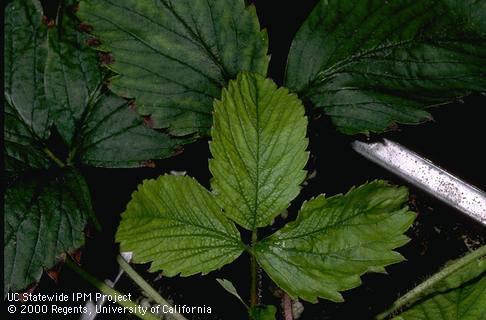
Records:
x=427, y=176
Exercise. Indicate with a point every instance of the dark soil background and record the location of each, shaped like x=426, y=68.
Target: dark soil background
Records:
x=455, y=141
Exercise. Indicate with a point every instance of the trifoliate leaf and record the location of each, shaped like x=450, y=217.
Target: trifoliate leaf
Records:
x=44, y=217
x=258, y=147
x=175, y=223
x=114, y=136
x=370, y=64
x=175, y=56
x=458, y=291
x=335, y=240
x=25, y=58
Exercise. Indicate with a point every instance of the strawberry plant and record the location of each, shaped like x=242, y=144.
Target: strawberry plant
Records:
x=121, y=84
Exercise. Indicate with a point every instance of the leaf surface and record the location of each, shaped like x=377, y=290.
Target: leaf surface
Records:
x=44, y=217
x=175, y=223
x=22, y=150
x=73, y=76
x=459, y=296
x=371, y=64
x=175, y=56
x=258, y=147
x=24, y=61
x=114, y=136
x=335, y=240
x=464, y=303
x=99, y=127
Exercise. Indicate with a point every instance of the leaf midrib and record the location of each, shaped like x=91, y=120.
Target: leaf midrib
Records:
x=339, y=223
x=257, y=169
x=323, y=75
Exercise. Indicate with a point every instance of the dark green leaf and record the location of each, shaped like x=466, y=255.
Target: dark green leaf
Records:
x=44, y=217
x=22, y=150
x=114, y=136
x=371, y=64
x=335, y=240
x=175, y=56
x=177, y=225
x=259, y=150
x=72, y=75
x=25, y=58
x=99, y=127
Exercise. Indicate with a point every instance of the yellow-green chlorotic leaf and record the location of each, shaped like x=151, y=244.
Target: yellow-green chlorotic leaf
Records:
x=458, y=292
x=176, y=224
x=464, y=303
x=335, y=240
x=473, y=269
x=258, y=147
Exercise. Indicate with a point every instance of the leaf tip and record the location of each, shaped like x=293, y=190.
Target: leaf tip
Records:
x=50, y=23
x=85, y=27
x=149, y=164
x=106, y=58
x=148, y=121
x=132, y=106
x=92, y=42
x=76, y=256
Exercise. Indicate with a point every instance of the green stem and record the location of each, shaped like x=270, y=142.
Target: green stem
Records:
x=419, y=290
x=72, y=155
x=253, y=272
x=54, y=158
x=107, y=290
x=151, y=292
